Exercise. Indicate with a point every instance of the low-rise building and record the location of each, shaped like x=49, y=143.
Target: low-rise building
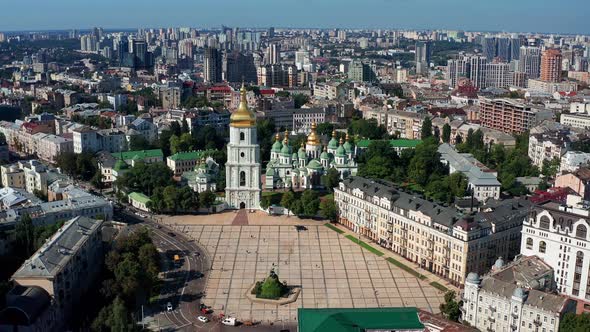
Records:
x=139, y=201
x=30, y=175
x=482, y=182
x=181, y=162
x=578, y=181
x=548, y=146
x=515, y=297
x=439, y=239
x=571, y=161
x=53, y=282
x=575, y=120
x=204, y=177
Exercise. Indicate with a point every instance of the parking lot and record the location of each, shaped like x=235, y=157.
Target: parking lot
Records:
x=331, y=270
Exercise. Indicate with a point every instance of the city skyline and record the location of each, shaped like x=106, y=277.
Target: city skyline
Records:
x=524, y=16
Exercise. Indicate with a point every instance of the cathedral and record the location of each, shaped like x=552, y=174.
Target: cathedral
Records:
x=243, y=183
x=304, y=168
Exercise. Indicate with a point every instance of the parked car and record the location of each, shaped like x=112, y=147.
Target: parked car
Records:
x=231, y=321
x=203, y=319
x=169, y=307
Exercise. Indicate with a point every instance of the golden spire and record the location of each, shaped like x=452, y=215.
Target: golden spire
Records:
x=242, y=117
x=334, y=133
x=341, y=141
x=277, y=137
x=286, y=140
x=313, y=138
x=347, y=137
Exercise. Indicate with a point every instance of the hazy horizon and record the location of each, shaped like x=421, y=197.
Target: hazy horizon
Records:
x=470, y=15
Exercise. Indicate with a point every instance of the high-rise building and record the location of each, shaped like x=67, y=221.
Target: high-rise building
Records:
x=422, y=57
x=530, y=61
x=277, y=75
x=503, y=50
x=515, y=48
x=239, y=67
x=489, y=48
x=243, y=161
x=498, y=75
x=505, y=115
x=273, y=54
x=271, y=32
x=361, y=72
x=141, y=59
x=213, y=65
x=551, y=66
x=478, y=70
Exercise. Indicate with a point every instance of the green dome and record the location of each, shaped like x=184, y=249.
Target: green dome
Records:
x=314, y=164
x=302, y=154
x=294, y=156
x=277, y=146
x=340, y=152
x=324, y=155
x=347, y=147
x=270, y=171
x=333, y=144
x=286, y=150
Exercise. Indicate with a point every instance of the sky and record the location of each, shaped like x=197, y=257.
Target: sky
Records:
x=559, y=16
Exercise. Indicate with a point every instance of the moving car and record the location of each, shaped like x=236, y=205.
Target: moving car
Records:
x=231, y=321
x=169, y=307
x=203, y=319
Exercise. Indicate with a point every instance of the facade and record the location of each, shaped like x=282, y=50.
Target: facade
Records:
x=243, y=184
x=517, y=297
x=422, y=57
x=185, y=161
x=437, y=238
x=277, y=75
x=213, y=65
x=482, y=182
x=85, y=140
x=551, y=65
x=572, y=160
x=578, y=181
x=139, y=201
x=547, y=146
x=505, y=115
x=559, y=235
x=575, y=120
x=304, y=168
x=407, y=124
x=30, y=175
x=59, y=275
x=530, y=61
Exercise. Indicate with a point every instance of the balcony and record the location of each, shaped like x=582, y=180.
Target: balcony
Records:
x=492, y=308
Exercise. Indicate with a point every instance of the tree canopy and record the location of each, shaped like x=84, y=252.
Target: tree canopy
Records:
x=145, y=178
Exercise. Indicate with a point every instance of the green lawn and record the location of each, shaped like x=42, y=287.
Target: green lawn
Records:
x=438, y=286
x=334, y=228
x=364, y=245
x=406, y=268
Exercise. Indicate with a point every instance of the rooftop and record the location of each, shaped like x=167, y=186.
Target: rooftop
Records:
x=189, y=155
x=395, y=143
x=141, y=154
x=139, y=197
x=358, y=319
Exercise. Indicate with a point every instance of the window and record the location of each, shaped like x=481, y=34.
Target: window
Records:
x=529, y=243
x=542, y=247
x=242, y=178
x=242, y=136
x=545, y=223
x=581, y=231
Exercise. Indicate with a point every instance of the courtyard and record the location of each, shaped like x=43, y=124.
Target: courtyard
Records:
x=331, y=270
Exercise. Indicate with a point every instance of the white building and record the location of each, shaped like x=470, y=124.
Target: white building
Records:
x=559, y=235
x=243, y=159
x=514, y=298
x=481, y=180
x=86, y=140
x=547, y=146
x=51, y=146
x=572, y=160
x=575, y=120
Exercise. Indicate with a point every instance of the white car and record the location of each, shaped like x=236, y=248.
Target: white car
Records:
x=203, y=319
x=231, y=321
x=169, y=307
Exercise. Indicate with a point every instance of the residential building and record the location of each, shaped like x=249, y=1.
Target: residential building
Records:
x=540, y=86
x=185, y=161
x=212, y=65
x=361, y=72
x=558, y=233
x=435, y=237
x=407, y=125
x=54, y=281
x=551, y=65
x=578, y=181
x=530, y=61
x=575, y=120
x=498, y=75
x=86, y=140
x=277, y=75
x=515, y=297
x=481, y=181
x=139, y=201
x=51, y=146
x=30, y=175
x=505, y=115
x=572, y=160
x=423, y=52
x=547, y=146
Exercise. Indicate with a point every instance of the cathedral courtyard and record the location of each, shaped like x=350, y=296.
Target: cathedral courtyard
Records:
x=331, y=270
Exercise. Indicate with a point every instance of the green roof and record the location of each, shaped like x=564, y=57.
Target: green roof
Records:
x=141, y=154
x=395, y=143
x=189, y=155
x=358, y=319
x=139, y=197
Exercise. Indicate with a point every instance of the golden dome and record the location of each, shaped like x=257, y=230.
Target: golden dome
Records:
x=242, y=117
x=313, y=138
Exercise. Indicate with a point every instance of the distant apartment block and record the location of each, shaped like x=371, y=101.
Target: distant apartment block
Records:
x=505, y=115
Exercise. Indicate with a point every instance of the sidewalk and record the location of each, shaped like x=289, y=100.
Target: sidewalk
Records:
x=430, y=277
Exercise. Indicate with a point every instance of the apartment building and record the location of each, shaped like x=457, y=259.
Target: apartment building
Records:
x=558, y=233
x=549, y=145
x=407, y=124
x=52, y=282
x=515, y=297
x=30, y=175
x=50, y=146
x=437, y=238
x=572, y=160
x=506, y=115
x=482, y=181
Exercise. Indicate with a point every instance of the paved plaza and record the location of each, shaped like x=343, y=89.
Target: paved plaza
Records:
x=331, y=270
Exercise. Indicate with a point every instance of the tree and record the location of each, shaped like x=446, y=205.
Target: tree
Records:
x=325, y=128
x=446, y=133
x=287, y=199
x=207, y=198
x=328, y=210
x=264, y=203
x=425, y=162
x=574, y=323
x=182, y=143
x=145, y=178
x=426, y=128
x=119, y=319
x=188, y=199
x=25, y=234
x=451, y=309
x=550, y=168
x=138, y=142
x=310, y=202
x=331, y=179
x=170, y=198
x=300, y=99
x=98, y=180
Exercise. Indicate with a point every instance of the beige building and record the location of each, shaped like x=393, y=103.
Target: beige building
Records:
x=407, y=124
x=52, y=282
x=437, y=238
x=575, y=120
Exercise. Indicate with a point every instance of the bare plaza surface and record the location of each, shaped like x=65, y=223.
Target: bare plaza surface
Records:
x=331, y=270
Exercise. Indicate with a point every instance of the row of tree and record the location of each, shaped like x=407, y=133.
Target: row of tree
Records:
x=132, y=268
x=173, y=199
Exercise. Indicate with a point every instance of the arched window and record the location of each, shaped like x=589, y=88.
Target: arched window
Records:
x=242, y=178
x=542, y=247
x=581, y=232
x=529, y=243
x=242, y=136
x=545, y=223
